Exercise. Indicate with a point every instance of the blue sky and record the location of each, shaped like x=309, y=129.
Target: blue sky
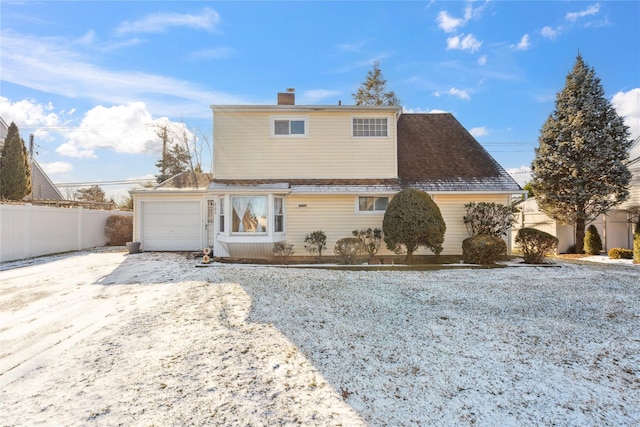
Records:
x=93, y=80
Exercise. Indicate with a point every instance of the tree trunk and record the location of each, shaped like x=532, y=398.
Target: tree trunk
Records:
x=580, y=225
x=409, y=258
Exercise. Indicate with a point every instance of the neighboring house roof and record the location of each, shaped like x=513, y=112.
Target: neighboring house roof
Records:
x=41, y=186
x=186, y=181
x=436, y=153
x=4, y=130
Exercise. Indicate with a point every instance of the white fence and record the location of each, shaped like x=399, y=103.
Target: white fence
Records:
x=28, y=231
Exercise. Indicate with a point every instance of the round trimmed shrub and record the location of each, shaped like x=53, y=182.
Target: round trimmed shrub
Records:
x=348, y=250
x=411, y=220
x=483, y=249
x=592, y=241
x=535, y=244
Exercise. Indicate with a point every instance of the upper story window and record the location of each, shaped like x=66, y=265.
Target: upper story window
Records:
x=372, y=204
x=293, y=126
x=369, y=127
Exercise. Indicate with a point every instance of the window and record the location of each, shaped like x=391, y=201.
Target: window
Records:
x=249, y=214
x=372, y=204
x=365, y=127
x=278, y=214
x=221, y=214
x=290, y=127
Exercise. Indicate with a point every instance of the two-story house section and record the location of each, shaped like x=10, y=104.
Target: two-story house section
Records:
x=283, y=171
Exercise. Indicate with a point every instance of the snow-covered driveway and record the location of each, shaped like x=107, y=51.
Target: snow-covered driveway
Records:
x=109, y=338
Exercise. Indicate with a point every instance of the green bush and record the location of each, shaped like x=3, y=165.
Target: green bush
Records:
x=483, y=249
x=535, y=244
x=592, y=241
x=411, y=220
x=620, y=253
x=348, y=250
x=282, y=251
x=315, y=242
x=118, y=229
x=636, y=243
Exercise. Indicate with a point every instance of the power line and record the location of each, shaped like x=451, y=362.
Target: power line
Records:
x=116, y=182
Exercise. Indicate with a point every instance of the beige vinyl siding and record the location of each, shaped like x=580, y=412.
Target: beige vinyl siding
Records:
x=334, y=214
x=337, y=217
x=245, y=148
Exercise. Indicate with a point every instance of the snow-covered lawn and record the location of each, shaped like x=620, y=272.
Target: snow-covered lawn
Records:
x=105, y=338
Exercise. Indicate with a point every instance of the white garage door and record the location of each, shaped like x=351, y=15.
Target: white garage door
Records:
x=171, y=226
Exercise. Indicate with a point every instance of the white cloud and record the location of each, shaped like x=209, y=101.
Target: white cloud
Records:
x=524, y=43
x=29, y=115
x=55, y=168
x=55, y=66
x=591, y=10
x=457, y=93
x=160, y=22
x=123, y=128
x=467, y=43
x=549, y=33
x=27, y=112
x=479, y=131
x=627, y=104
x=482, y=60
x=448, y=23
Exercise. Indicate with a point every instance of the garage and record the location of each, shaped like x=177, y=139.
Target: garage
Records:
x=171, y=226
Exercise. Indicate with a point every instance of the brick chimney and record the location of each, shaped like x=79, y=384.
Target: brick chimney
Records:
x=288, y=97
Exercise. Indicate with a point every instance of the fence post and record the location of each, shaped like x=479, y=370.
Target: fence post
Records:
x=80, y=215
x=27, y=231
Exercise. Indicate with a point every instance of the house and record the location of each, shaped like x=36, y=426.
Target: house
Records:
x=41, y=186
x=285, y=170
x=616, y=228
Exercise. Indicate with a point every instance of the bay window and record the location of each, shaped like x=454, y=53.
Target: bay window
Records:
x=249, y=214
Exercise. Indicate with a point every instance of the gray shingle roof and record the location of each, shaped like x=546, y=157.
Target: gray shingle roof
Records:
x=436, y=153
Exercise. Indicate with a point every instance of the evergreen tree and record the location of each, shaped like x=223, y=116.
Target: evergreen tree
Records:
x=373, y=90
x=592, y=241
x=15, y=169
x=176, y=160
x=579, y=171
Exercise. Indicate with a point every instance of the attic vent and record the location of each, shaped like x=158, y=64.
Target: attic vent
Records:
x=288, y=97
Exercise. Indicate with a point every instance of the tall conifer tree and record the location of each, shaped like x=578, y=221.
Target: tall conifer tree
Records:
x=15, y=169
x=579, y=170
x=373, y=90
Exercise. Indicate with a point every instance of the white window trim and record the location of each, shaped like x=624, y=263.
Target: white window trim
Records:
x=370, y=117
x=305, y=119
x=373, y=212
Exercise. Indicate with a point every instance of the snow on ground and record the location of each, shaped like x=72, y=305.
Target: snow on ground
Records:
x=149, y=339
